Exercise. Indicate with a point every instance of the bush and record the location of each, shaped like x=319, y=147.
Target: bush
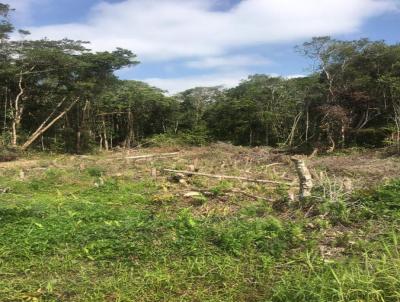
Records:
x=370, y=137
x=198, y=137
x=95, y=171
x=373, y=278
x=383, y=201
x=8, y=155
x=267, y=235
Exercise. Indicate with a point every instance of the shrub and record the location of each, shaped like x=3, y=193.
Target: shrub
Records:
x=384, y=200
x=371, y=278
x=370, y=137
x=95, y=171
x=7, y=154
x=197, y=137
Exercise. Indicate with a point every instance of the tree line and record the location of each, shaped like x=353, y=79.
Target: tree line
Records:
x=60, y=95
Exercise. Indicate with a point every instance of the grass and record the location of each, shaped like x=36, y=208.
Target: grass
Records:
x=67, y=236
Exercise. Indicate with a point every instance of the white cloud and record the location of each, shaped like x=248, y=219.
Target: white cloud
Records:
x=170, y=29
x=294, y=76
x=202, y=37
x=228, y=62
x=175, y=85
x=225, y=79
x=23, y=9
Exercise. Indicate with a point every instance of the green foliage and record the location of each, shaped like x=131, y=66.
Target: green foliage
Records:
x=340, y=207
x=257, y=112
x=83, y=242
x=371, y=278
x=5, y=25
x=371, y=137
x=381, y=202
x=95, y=171
x=266, y=235
x=197, y=137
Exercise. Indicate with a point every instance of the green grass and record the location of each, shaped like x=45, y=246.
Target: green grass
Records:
x=64, y=239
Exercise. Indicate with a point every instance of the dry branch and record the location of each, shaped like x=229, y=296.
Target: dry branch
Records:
x=255, y=197
x=229, y=177
x=273, y=164
x=152, y=155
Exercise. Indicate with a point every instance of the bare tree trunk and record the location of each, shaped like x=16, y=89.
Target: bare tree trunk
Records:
x=396, y=111
x=78, y=141
x=42, y=128
x=307, y=124
x=130, y=137
x=331, y=96
x=5, y=111
x=290, y=138
x=333, y=146
x=17, y=113
x=101, y=143
x=79, y=126
x=305, y=179
x=105, y=134
x=42, y=141
x=112, y=131
x=78, y=132
x=343, y=134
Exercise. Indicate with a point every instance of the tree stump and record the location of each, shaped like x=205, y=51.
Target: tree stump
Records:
x=305, y=179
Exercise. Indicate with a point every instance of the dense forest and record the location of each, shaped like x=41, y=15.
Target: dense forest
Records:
x=61, y=96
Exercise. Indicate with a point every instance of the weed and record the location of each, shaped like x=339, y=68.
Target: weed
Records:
x=95, y=171
x=64, y=239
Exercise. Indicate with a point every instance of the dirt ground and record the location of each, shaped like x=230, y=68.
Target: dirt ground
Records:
x=363, y=168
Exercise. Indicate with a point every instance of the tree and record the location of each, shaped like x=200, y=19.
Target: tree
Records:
x=132, y=110
x=5, y=26
x=256, y=112
x=194, y=103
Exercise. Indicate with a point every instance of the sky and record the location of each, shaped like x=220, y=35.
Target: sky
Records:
x=182, y=44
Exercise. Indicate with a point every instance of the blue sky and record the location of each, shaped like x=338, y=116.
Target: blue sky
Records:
x=187, y=43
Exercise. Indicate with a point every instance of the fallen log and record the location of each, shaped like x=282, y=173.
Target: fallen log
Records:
x=207, y=192
x=229, y=177
x=152, y=155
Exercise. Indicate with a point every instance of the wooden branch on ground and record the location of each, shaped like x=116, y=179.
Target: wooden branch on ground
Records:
x=152, y=155
x=273, y=164
x=229, y=177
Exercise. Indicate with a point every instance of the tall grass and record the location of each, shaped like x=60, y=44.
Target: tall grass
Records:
x=373, y=277
x=64, y=239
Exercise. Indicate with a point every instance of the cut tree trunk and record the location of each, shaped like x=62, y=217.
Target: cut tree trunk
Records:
x=305, y=179
x=105, y=134
x=43, y=127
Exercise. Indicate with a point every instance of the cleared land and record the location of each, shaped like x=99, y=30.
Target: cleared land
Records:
x=111, y=228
